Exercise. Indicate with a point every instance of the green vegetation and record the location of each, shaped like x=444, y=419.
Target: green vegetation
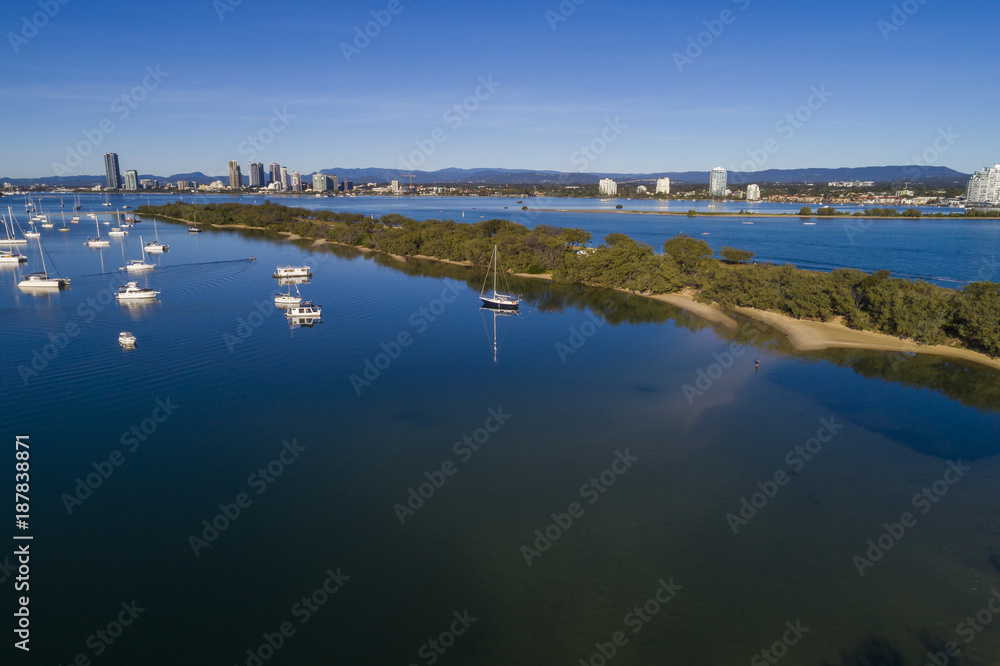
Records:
x=805, y=210
x=878, y=302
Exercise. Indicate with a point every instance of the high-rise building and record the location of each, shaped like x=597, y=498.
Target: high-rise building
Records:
x=283, y=178
x=663, y=186
x=394, y=186
x=607, y=187
x=753, y=192
x=235, y=176
x=321, y=182
x=275, y=171
x=185, y=185
x=717, y=182
x=148, y=183
x=257, y=177
x=296, y=181
x=333, y=184
x=131, y=180
x=984, y=186
x=111, y=170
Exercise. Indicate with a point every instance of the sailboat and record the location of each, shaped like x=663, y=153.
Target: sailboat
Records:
x=77, y=205
x=97, y=242
x=9, y=239
x=117, y=231
x=497, y=300
x=285, y=300
x=44, y=219
x=63, y=227
x=7, y=256
x=107, y=202
x=42, y=280
x=135, y=265
x=155, y=246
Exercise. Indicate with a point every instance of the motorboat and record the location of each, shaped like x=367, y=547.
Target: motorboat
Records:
x=126, y=339
x=131, y=291
x=305, y=310
x=292, y=272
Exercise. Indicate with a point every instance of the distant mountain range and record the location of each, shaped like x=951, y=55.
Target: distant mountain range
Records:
x=884, y=174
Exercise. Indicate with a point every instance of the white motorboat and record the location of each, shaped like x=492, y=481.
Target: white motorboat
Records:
x=42, y=280
x=499, y=300
x=131, y=291
x=126, y=339
x=305, y=310
x=292, y=272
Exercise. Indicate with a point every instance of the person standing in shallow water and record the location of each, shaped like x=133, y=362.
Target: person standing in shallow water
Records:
x=756, y=364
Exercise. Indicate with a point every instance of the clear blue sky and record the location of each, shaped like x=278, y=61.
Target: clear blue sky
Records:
x=892, y=92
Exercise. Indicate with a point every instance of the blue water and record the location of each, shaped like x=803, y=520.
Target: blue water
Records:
x=583, y=375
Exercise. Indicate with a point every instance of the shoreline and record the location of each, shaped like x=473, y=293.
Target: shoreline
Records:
x=751, y=216
x=802, y=334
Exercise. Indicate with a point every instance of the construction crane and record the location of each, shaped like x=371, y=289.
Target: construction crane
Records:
x=404, y=175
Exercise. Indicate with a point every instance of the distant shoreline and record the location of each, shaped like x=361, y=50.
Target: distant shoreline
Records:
x=802, y=334
x=750, y=216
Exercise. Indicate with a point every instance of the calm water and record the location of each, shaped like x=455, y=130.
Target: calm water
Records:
x=238, y=383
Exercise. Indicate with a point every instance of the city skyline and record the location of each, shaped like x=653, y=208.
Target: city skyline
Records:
x=586, y=88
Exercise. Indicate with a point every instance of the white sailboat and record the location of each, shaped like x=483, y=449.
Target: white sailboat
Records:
x=285, y=300
x=63, y=227
x=42, y=280
x=499, y=300
x=7, y=256
x=9, y=238
x=137, y=265
x=155, y=246
x=97, y=242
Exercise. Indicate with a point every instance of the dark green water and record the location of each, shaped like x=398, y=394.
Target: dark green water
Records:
x=567, y=415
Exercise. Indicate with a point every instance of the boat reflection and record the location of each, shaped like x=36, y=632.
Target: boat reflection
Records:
x=495, y=339
x=285, y=281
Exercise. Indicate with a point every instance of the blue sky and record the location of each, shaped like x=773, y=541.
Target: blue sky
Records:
x=600, y=75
